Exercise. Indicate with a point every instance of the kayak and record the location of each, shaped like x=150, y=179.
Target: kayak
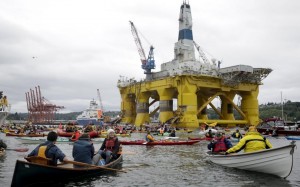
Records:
x=201, y=139
x=60, y=140
x=39, y=173
x=276, y=161
x=292, y=137
x=160, y=142
x=25, y=135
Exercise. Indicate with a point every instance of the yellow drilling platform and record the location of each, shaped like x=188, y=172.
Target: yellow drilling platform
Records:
x=191, y=83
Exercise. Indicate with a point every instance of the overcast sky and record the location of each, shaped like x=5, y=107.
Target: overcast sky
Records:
x=71, y=48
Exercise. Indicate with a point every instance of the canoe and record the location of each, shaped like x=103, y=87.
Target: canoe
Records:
x=292, y=137
x=30, y=174
x=60, y=140
x=161, y=142
x=25, y=135
x=276, y=161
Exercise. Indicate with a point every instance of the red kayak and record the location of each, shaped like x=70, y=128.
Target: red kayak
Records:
x=63, y=133
x=161, y=142
x=201, y=139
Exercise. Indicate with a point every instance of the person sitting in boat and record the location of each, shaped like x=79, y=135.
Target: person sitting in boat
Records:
x=110, y=146
x=76, y=135
x=209, y=134
x=173, y=133
x=89, y=128
x=252, y=141
x=83, y=149
x=2, y=145
x=237, y=134
x=149, y=137
x=219, y=144
x=49, y=150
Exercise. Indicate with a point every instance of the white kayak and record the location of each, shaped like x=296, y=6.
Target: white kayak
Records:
x=276, y=161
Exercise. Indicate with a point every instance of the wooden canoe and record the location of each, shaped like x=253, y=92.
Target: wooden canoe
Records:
x=162, y=142
x=28, y=173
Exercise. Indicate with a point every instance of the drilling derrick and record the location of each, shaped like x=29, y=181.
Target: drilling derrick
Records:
x=40, y=110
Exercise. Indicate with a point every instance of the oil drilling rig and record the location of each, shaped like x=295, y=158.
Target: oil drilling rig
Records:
x=40, y=110
x=194, y=84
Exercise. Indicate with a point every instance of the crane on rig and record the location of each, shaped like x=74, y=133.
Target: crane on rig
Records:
x=147, y=63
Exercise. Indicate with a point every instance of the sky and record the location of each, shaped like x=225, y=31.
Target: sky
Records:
x=71, y=48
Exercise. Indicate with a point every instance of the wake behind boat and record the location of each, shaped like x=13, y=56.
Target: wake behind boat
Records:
x=275, y=161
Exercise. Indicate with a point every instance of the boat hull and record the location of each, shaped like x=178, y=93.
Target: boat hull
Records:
x=276, y=161
x=25, y=135
x=27, y=173
x=143, y=142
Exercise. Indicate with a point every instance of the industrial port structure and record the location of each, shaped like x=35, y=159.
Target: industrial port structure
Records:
x=194, y=83
x=40, y=110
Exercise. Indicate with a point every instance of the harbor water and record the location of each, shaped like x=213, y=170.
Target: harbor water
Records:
x=181, y=165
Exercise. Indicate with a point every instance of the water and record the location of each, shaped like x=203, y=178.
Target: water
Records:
x=163, y=166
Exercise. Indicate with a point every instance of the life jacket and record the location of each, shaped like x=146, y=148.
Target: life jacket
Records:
x=237, y=135
x=43, y=150
x=110, y=143
x=220, y=146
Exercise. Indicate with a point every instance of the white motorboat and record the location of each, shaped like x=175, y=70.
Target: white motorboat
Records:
x=276, y=161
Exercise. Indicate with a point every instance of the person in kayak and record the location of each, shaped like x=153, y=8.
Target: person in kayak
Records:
x=49, y=150
x=83, y=149
x=252, y=141
x=219, y=144
x=110, y=147
x=149, y=137
x=209, y=134
x=3, y=145
x=237, y=134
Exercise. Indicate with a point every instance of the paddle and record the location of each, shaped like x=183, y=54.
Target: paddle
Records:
x=17, y=149
x=90, y=165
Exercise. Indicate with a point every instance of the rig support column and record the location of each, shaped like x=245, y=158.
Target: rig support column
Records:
x=187, y=104
x=250, y=106
x=142, y=109
x=128, y=108
x=165, y=104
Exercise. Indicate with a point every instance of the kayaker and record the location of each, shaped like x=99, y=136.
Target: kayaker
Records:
x=83, y=149
x=173, y=133
x=209, y=134
x=48, y=149
x=252, y=141
x=237, y=134
x=149, y=137
x=110, y=146
x=219, y=144
x=2, y=145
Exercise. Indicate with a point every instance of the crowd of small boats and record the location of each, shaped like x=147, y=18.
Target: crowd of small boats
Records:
x=276, y=161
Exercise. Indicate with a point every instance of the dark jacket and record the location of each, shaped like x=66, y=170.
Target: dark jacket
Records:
x=52, y=152
x=83, y=151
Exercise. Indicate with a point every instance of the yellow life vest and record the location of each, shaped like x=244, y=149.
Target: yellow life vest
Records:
x=42, y=151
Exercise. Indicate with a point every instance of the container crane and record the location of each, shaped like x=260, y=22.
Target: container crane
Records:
x=147, y=63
